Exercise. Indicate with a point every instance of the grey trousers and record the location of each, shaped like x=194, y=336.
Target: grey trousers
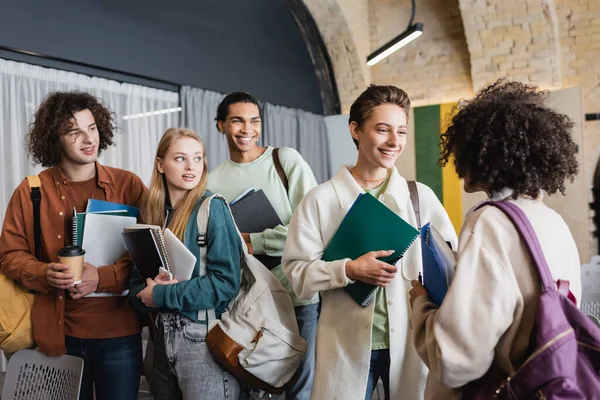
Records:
x=184, y=368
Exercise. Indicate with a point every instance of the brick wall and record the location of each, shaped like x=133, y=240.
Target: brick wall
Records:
x=434, y=68
x=467, y=44
x=579, y=27
x=517, y=39
x=340, y=28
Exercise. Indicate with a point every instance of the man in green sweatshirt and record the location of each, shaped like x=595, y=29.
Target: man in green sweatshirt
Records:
x=250, y=165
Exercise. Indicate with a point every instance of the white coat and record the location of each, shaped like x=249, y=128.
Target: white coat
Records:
x=343, y=347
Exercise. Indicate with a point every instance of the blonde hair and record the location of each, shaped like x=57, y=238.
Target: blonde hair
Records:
x=154, y=207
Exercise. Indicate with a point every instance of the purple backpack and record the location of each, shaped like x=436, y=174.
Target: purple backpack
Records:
x=565, y=344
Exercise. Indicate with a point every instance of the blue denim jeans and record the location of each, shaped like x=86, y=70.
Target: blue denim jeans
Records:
x=184, y=368
x=300, y=387
x=112, y=367
x=380, y=368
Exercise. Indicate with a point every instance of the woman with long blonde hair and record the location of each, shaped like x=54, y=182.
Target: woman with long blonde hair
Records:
x=183, y=365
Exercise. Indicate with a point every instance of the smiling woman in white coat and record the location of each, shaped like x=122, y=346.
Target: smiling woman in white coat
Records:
x=357, y=346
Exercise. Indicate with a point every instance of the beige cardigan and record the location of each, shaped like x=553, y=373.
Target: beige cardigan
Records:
x=488, y=313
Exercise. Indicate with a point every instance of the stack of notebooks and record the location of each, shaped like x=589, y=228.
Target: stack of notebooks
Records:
x=98, y=231
x=252, y=212
x=151, y=248
x=99, y=207
x=438, y=263
x=369, y=226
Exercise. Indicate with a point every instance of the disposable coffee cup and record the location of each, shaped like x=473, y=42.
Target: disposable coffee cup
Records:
x=73, y=257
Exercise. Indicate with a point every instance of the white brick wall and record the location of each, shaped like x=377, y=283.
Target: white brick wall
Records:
x=345, y=53
x=435, y=67
x=579, y=27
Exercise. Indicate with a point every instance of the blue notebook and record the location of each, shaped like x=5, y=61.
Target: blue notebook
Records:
x=94, y=205
x=438, y=263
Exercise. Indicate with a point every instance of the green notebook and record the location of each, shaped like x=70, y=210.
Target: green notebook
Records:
x=369, y=226
x=79, y=223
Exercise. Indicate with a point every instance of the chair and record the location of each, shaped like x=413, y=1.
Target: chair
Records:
x=31, y=375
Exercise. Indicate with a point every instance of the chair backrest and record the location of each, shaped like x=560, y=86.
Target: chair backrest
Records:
x=31, y=375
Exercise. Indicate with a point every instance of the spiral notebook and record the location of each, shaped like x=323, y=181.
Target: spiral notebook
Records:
x=102, y=243
x=147, y=248
x=368, y=226
x=150, y=249
x=78, y=223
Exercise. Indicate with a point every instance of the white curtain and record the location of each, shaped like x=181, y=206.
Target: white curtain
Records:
x=199, y=109
x=23, y=87
x=301, y=130
x=282, y=126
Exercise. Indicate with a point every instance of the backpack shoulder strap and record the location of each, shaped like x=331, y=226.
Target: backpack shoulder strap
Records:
x=202, y=221
x=36, y=198
x=279, y=169
x=523, y=226
x=414, y=198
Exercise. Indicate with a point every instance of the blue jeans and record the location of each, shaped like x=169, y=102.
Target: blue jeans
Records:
x=300, y=386
x=184, y=368
x=379, y=368
x=112, y=367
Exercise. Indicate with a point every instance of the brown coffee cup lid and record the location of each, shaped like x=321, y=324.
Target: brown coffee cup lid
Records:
x=71, y=251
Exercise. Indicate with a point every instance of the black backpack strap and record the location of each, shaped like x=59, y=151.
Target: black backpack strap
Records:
x=279, y=169
x=36, y=198
x=414, y=198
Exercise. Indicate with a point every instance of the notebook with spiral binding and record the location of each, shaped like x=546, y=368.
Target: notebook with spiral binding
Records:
x=78, y=223
x=368, y=226
x=146, y=245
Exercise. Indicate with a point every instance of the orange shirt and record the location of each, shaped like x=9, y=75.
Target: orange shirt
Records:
x=100, y=317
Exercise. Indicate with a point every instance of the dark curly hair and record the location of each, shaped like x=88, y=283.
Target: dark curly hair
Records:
x=507, y=137
x=52, y=119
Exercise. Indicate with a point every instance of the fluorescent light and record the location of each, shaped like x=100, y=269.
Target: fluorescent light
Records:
x=157, y=112
x=399, y=41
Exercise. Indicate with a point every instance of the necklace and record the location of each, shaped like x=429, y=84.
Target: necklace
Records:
x=367, y=180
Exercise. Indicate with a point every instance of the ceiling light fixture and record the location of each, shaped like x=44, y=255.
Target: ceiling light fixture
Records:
x=151, y=113
x=410, y=34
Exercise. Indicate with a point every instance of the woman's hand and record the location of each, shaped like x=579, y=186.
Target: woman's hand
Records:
x=367, y=268
x=146, y=295
x=164, y=279
x=417, y=290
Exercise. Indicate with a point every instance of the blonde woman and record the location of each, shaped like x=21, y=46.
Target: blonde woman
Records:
x=183, y=366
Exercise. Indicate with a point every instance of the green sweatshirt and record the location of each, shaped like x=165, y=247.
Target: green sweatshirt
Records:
x=222, y=280
x=231, y=179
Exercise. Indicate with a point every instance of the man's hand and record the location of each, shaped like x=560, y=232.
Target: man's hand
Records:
x=58, y=277
x=367, y=268
x=89, y=282
x=146, y=295
x=246, y=237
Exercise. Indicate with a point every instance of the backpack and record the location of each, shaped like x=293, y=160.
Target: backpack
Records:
x=256, y=339
x=16, y=329
x=565, y=347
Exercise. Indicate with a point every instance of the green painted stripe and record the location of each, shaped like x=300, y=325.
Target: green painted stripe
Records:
x=427, y=148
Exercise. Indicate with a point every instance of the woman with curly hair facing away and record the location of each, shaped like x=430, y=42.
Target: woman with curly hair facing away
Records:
x=507, y=143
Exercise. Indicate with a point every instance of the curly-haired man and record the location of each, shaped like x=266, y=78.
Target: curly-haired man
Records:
x=69, y=132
